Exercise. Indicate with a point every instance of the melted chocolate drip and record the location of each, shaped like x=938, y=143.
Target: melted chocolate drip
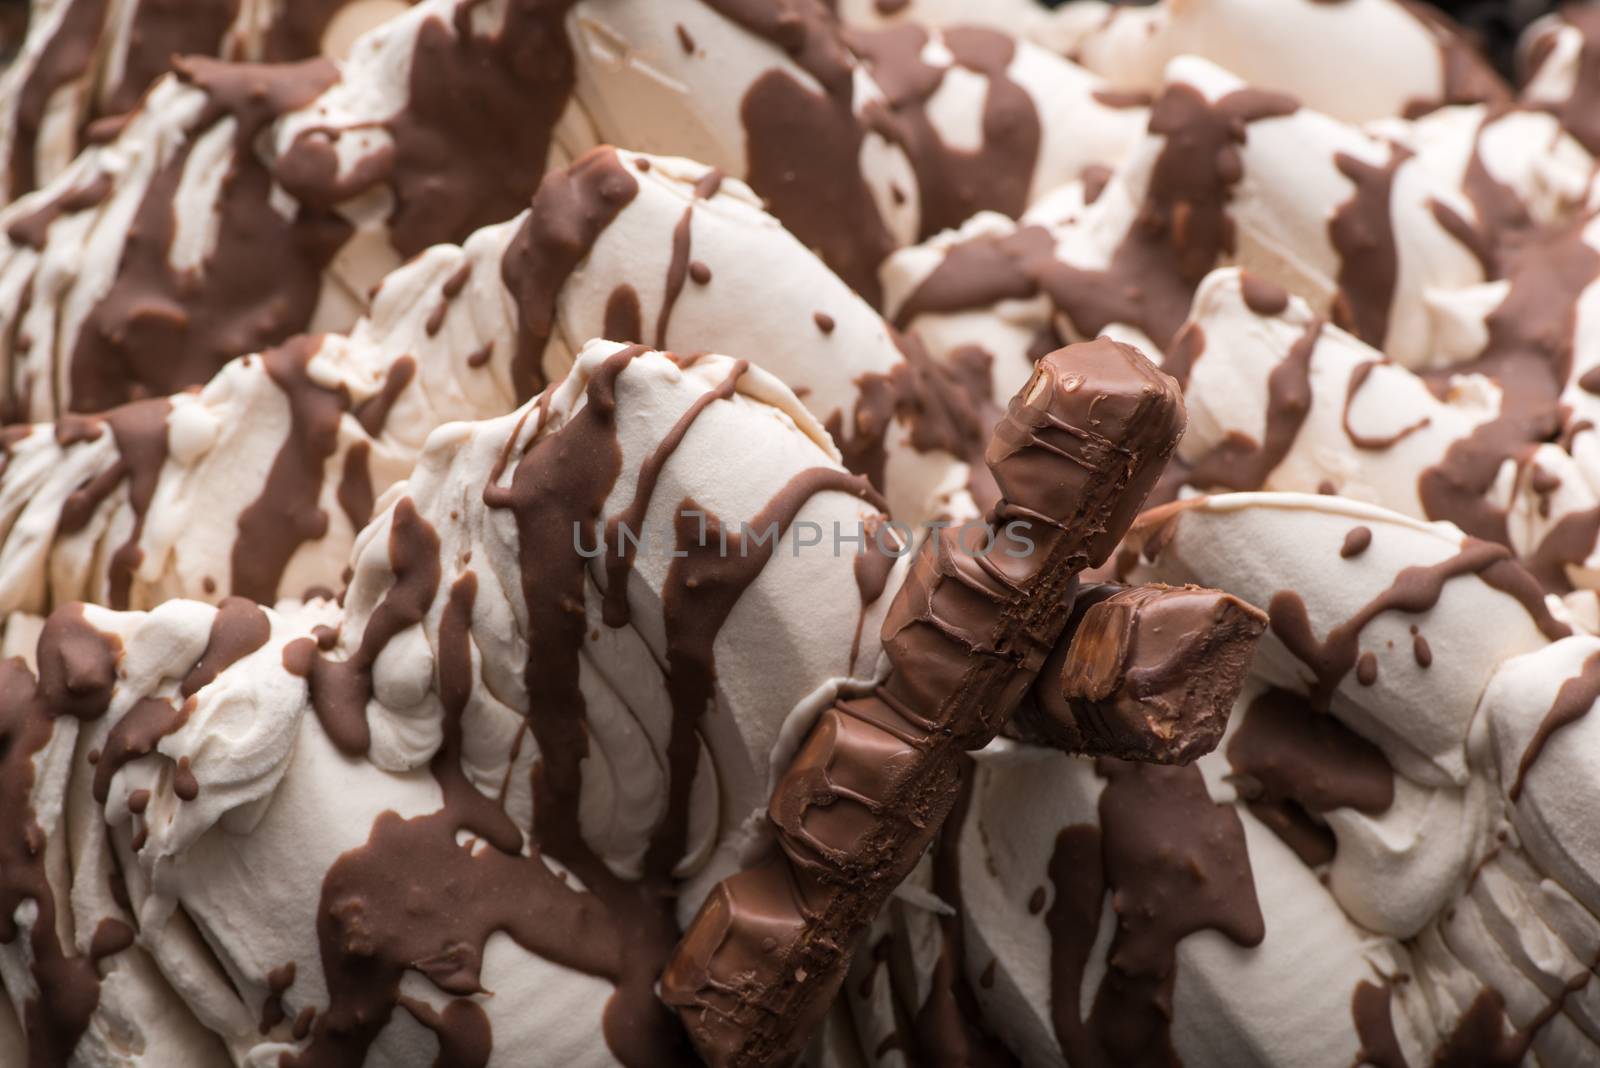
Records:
x=1572, y=703
x=355, y=494
x=140, y=432
x=1175, y=864
x=279, y=980
x=954, y=183
x=288, y=515
x=238, y=629
x=1415, y=590
x=158, y=329
x=1362, y=233
x=1182, y=231
x=928, y=398
x=340, y=689
x=77, y=668
x=701, y=590
x=619, y=560
x=804, y=148
x=1373, y=1015
x=561, y=484
x=1358, y=378
x=1296, y=762
x=474, y=135
x=679, y=266
x=373, y=413
x=134, y=735
x=624, y=319
x=572, y=209
x=1484, y=1037
x=1239, y=463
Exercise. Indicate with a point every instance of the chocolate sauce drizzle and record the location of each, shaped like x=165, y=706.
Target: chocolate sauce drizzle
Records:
x=804, y=148
x=1182, y=231
x=341, y=689
x=1362, y=233
x=679, y=266
x=942, y=413
x=159, y=329
x=1358, y=378
x=1573, y=701
x=1174, y=863
x=77, y=669
x=474, y=135
x=1239, y=463
x=953, y=183
x=1415, y=590
x=1579, y=114
x=288, y=513
x=140, y=433
x=1296, y=764
x=571, y=210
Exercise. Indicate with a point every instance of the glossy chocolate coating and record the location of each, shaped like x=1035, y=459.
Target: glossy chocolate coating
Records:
x=1080, y=448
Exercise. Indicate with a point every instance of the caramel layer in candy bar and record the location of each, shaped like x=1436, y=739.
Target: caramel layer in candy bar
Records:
x=1147, y=673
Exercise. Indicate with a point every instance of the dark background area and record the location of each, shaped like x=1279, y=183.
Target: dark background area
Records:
x=1496, y=24
x=13, y=23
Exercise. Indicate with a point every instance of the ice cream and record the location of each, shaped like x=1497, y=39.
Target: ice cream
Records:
x=1493, y=447
x=88, y=60
x=443, y=120
x=1226, y=174
x=1412, y=60
x=1557, y=55
x=909, y=131
x=364, y=749
x=190, y=205
x=675, y=255
x=1354, y=815
x=221, y=731
x=258, y=483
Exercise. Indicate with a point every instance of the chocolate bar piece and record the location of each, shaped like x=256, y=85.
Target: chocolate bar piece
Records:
x=1146, y=673
x=1079, y=449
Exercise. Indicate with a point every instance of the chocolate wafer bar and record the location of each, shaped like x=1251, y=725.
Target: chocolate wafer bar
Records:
x=1077, y=453
x=1146, y=673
